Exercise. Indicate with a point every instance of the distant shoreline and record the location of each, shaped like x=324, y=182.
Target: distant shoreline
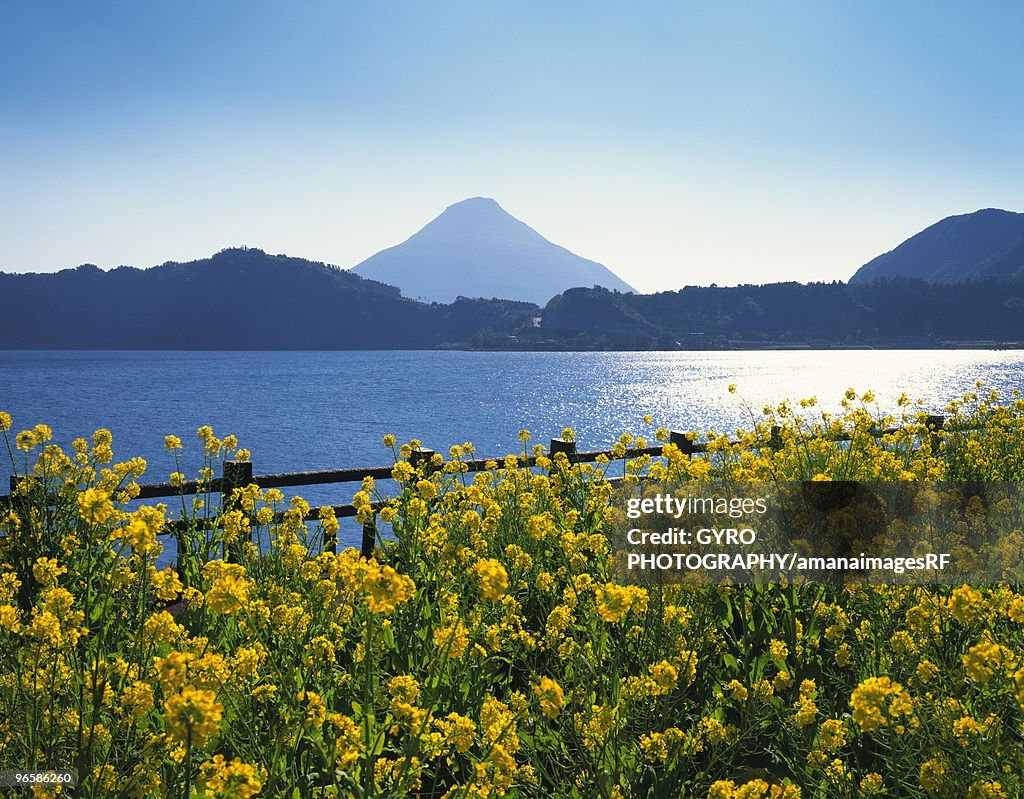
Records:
x=554, y=347
x=755, y=347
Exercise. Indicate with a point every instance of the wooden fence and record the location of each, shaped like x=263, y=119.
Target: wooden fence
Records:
x=237, y=474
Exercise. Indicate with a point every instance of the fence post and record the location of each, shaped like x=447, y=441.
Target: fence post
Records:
x=422, y=455
x=935, y=424
x=568, y=448
x=775, y=442
x=682, y=441
x=369, y=537
x=237, y=474
x=27, y=480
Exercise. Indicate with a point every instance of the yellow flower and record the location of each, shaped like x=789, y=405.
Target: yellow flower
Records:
x=966, y=604
x=806, y=711
x=5, y=422
x=385, y=589
x=94, y=505
x=403, y=691
x=192, y=716
x=614, y=601
x=965, y=728
x=137, y=699
x=172, y=443
x=493, y=578
x=550, y=697
x=665, y=676
x=316, y=709
x=832, y=735
x=230, y=780
x=229, y=589
x=9, y=619
x=46, y=571
x=925, y=671
x=452, y=638
x=1016, y=610
x=264, y=693
x=171, y=670
x=763, y=690
x=161, y=628
x=596, y=724
x=778, y=649
x=983, y=660
x=459, y=732
x=876, y=700
x=986, y=789
x=348, y=742
x=754, y=789
x=737, y=690
x=328, y=520
x=402, y=471
x=932, y=773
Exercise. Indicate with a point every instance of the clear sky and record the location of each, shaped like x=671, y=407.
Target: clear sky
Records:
x=678, y=142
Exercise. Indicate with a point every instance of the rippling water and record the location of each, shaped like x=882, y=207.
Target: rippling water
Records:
x=320, y=410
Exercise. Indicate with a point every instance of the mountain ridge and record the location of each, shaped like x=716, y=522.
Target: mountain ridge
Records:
x=239, y=298
x=961, y=247
x=245, y=299
x=475, y=248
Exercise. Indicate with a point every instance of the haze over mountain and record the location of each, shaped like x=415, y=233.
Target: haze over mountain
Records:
x=477, y=249
x=983, y=244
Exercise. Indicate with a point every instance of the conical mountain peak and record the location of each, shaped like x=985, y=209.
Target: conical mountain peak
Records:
x=475, y=248
x=478, y=216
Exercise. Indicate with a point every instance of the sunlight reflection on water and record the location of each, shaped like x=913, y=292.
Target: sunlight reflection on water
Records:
x=320, y=410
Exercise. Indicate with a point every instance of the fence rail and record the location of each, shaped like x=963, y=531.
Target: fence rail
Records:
x=238, y=474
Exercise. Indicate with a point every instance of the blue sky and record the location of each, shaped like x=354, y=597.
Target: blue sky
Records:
x=678, y=143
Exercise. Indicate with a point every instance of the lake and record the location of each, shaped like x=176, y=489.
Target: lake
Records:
x=320, y=410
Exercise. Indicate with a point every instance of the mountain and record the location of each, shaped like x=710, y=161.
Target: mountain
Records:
x=1007, y=264
x=986, y=243
x=477, y=249
x=245, y=299
x=886, y=312
x=237, y=299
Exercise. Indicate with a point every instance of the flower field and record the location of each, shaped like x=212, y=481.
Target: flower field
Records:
x=486, y=651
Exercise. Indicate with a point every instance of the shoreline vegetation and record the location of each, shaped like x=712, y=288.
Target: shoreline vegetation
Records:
x=486, y=649
x=246, y=299
x=751, y=346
